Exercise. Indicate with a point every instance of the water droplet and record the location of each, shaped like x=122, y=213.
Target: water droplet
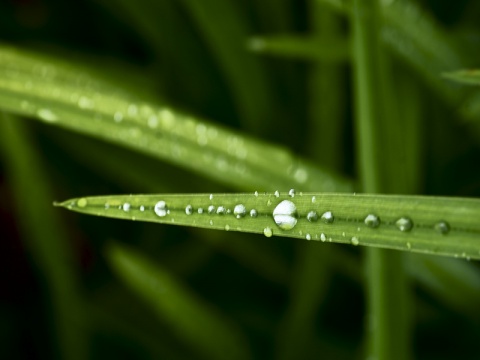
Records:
x=308, y=237
x=355, y=241
x=200, y=210
x=409, y=246
x=404, y=224
x=239, y=211
x=118, y=116
x=300, y=175
x=291, y=193
x=314, y=199
x=253, y=213
x=126, y=207
x=85, y=103
x=277, y=194
x=220, y=210
x=107, y=206
x=211, y=197
x=161, y=208
x=211, y=209
x=81, y=203
x=255, y=193
x=152, y=121
x=312, y=216
x=189, y=210
x=227, y=227
x=323, y=237
x=142, y=208
x=211, y=222
x=47, y=115
x=372, y=221
x=285, y=215
x=442, y=227
x=327, y=217
x=267, y=232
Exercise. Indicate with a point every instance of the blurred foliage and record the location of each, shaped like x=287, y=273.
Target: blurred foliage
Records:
x=288, y=299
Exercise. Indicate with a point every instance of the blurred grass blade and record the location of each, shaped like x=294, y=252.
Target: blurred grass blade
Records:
x=435, y=225
x=70, y=98
x=45, y=237
x=191, y=319
x=296, y=47
x=468, y=77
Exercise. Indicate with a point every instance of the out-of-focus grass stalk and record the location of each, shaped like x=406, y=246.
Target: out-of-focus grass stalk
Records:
x=45, y=237
x=376, y=128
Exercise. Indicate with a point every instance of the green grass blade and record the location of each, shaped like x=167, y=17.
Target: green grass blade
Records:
x=190, y=318
x=296, y=47
x=69, y=98
x=441, y=225
x=45, y=238
x=468, y=77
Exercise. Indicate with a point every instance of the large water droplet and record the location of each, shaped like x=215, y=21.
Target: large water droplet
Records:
x=267, y=232
x=239, y=211
x=404, y=224
x=372, y=221
x=220, y=210
x=189, y=210
x=312, y=216
x=327, y=217
x=161, y=208
x=442, y=227
x=285, y=215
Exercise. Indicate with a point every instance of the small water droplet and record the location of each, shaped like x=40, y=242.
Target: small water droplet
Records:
x=327, y=217
x=404, y=224
x=355, y=241
x=239, y=211
x=255, y=193
x=107, y=206
x=312, y=216
x=285, y=215
x=314, y=199
x=253, y=213
x=267, y=232
x=291, y=193
x=220, y=210
x=161, y=208
x=152, y=121
x=118, y=117
x=142, y=208
x=189, y=210
x=211, y=197
x=269, y=202
x=211, y=209
x=323, y=237
x=227, y=227
x=277, y=194
x=211, y=222
x=372, y=221
x=409, y=246
x=442, y=227
x=200, y=210
x=308, y=237
x=81, y=203
x=47, y=115
x=126, y=207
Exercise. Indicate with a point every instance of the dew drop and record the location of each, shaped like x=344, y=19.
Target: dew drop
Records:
x=211, y=222
x=200, y=210
x=327, y=217
x=267, y=232
x=211, y=209
x=323, y=237
x=81, y=203
x=355, y=241
x=227, y=227
x=372, y=221
x=276, y=193
x=442, y=227
x=253, y=213
x=220, y=210
x=404, y=224
x=255, y=193
x=47, y=115
x=239, y=211
x=142, y=208
x=118, y=117
x=189, y=210
x=314, y=199
x=308, y=237
x=285, y=215
x=312, y=216
x=126, y=207
x=161, y=208
x=291, y=193
x=211, y=197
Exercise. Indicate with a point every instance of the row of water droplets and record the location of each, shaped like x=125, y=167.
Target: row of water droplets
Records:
x=285, y=216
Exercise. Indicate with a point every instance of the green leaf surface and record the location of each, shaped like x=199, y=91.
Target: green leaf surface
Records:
x=467, y=77
x=68, y=97
x=435, y=225
x=192, y=319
